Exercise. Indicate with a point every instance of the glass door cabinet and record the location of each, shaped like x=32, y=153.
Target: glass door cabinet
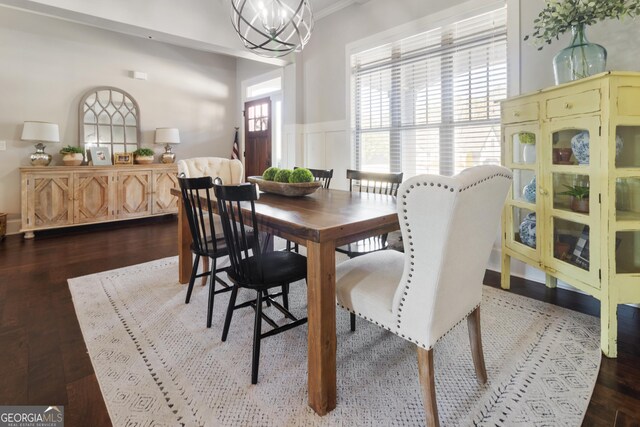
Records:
x=574, y=207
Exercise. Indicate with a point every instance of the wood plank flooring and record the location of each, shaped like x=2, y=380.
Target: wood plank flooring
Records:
x=44, y=360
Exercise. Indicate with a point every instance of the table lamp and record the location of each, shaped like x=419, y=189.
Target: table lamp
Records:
x=167, y=136
x=40, y=132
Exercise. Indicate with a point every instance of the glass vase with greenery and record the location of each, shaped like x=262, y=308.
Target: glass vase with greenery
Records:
x=581, y=58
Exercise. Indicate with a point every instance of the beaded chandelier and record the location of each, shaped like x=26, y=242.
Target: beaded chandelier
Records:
x=273, y=28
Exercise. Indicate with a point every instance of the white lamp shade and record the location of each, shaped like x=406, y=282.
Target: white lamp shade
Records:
x=40, y=131
x=167, y=136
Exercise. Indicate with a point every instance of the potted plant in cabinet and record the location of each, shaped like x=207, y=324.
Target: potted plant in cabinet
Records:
x=72, y=156
x=579, y=198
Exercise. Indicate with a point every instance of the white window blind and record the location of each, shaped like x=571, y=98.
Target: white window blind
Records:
x=427, y=103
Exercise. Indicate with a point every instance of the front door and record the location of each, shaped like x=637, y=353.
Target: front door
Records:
x=257, y=136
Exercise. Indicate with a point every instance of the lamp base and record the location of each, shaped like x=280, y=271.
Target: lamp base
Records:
x=40, y=158
x=168, y=156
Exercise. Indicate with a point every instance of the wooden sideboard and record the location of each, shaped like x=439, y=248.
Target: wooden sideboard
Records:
x=64, y=196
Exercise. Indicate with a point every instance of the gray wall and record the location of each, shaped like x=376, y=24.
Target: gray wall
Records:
x=324, y=58
x=47, y=64
x=618, y=37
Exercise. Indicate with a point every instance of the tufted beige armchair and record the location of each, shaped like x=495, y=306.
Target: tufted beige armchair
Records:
x=230, y=171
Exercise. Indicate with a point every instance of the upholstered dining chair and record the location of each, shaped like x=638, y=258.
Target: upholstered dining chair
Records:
x=230, y=171
x=205, y=243
x=375, y=183
x=449, y=226
x=253, y=269
x=320, y=175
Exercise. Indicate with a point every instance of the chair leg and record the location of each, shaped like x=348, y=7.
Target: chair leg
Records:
x=205, y=267
x=227, y=319
x=285, y=296
x=212, y=292
x=192, y=280
x=352, y=317
x=296, y=248
x=288, y=245
x=256, y=340
x=475, y=339
x=427, y=382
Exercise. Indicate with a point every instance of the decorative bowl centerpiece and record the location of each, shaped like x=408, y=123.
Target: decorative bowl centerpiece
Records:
x=285, y=189
x=285, y=182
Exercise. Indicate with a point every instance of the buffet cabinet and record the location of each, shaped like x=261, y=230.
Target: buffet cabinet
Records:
x=574, y=208
x=63, y=196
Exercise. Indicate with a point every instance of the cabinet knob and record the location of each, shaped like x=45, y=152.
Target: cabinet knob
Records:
x=516, y=114
x=543, y=192
x=568, y=106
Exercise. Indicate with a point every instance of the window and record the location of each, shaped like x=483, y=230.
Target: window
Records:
x=428, y=103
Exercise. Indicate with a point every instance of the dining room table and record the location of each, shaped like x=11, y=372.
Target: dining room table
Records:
x=321, y=222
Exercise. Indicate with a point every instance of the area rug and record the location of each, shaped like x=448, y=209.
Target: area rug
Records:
x=158, y=365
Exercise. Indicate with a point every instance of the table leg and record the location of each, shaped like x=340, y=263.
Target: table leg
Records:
x=184, y=241
x=321, y=312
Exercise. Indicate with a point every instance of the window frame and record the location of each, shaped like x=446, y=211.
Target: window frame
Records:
x=442, y=18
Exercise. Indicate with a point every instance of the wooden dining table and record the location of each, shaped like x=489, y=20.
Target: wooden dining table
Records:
x=321, y=221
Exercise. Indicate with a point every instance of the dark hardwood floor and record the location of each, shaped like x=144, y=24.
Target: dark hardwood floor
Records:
x=44, y=360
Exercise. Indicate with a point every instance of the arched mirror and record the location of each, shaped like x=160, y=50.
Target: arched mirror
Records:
x=109, y=117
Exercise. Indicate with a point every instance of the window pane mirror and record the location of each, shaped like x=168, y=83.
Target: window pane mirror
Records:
x=109, y=117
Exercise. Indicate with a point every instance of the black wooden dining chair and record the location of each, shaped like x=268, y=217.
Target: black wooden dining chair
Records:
x=375, y=183
x=253, y=269
x=320, y=175
x=196, y=196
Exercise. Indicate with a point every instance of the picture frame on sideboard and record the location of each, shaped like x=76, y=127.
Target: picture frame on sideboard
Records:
x=99, y=156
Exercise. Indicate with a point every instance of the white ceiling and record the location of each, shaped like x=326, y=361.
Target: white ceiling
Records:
x=198, y=24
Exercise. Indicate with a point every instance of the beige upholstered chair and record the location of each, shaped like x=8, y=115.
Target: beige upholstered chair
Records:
x=448, y=227
x=231, y=171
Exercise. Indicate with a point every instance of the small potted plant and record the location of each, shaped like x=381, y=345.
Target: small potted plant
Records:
x=529, y=150
x=143, y=156
x=72, y=156
x=579, y=197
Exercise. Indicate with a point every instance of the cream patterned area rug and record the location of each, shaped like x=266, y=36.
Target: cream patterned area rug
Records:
x=158, y=365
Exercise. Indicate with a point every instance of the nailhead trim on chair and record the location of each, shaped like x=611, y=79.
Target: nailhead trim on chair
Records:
x=412, y=250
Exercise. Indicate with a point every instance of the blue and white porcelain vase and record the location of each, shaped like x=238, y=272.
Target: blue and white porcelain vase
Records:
x=529, y=191
x=528, y=230
x=580, y=147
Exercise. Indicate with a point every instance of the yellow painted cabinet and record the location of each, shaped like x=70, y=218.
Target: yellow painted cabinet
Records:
x=62, y=196
x=574, y=208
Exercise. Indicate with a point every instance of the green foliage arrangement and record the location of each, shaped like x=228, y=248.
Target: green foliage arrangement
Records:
x=527, y=137
x=558, y=16
x=69, y=149
x=578, y=191
x=270, y=173
x=283, y=175
x=144, y=152
x=301, y=175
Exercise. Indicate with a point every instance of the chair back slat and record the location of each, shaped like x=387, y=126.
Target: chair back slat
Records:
x=321, y=175
x=375, y=182
x=196, y=197
x=240, y=229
